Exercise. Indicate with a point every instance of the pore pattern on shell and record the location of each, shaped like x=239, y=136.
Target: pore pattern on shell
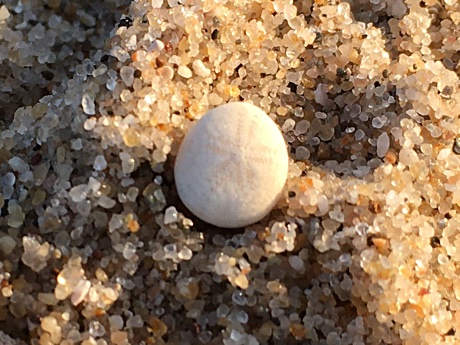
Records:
x=232, y=166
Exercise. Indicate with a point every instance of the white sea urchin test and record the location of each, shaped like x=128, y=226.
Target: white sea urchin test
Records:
x=232, y=166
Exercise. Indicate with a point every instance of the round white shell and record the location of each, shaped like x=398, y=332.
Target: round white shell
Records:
x=232, y=166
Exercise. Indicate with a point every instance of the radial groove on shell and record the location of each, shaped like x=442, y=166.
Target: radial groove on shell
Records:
x=232, y=166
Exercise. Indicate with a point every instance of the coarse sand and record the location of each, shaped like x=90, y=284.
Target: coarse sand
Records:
x=96, y=98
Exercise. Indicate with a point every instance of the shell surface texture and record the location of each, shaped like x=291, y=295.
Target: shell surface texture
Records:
x=232, y=166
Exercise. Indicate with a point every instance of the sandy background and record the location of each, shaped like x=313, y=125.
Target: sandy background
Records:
x=95, y=99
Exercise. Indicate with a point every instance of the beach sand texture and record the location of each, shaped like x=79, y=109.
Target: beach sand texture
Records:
x=96, y=98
